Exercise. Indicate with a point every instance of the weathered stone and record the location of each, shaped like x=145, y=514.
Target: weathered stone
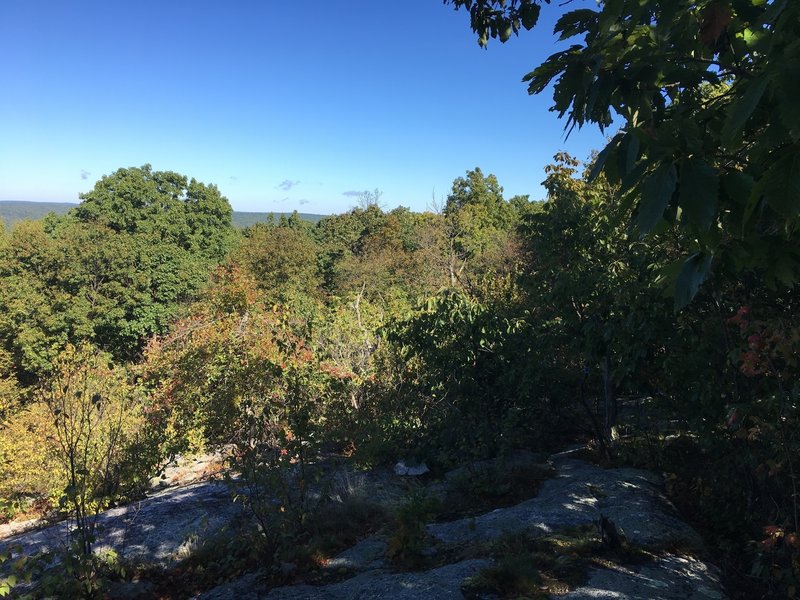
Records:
x=379, y=485
x=159, y=529
x=182, y=470
x=246, y=587
x=667, y=578
x=366, y=555
x=164, y=527
x=578, y=494
x=442, y=583
x=131, y=590
x=403, y=470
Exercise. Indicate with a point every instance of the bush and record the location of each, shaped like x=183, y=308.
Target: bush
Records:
x=82, y=442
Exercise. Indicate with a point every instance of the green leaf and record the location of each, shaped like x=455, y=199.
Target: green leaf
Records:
x=633, y=179
x=541, y=77
x=788, y=94
x=785, y=270
x=692, y=275
x=574, y=23
x=629, y=153
x=530, y=15
x=602, y=157
x=667, y=275
x=741, y=108
x=781, y=183
x=656, y=190
x=738, y=188
x=7, y=584
x=772, y=12
x=698, y=192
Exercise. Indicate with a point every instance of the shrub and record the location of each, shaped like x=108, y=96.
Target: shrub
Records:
x=82, y=442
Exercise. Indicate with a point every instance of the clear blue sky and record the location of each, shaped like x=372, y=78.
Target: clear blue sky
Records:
x=283, y=105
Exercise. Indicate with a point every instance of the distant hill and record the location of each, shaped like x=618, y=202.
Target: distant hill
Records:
x=13, y=211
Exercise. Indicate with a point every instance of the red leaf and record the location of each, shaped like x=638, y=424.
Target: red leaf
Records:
x=716, y=18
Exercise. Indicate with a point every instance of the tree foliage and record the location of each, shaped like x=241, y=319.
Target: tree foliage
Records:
x=113, y=271
x=500, y=18
x=706, y=92
x=231, y=357
x=80, y=443
x=283, y=260
x=162, y=206
x=596, y=312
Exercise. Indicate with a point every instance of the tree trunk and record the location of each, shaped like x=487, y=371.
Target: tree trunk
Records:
x=610, y=397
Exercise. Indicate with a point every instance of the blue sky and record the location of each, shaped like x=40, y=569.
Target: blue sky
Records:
x=283, y=105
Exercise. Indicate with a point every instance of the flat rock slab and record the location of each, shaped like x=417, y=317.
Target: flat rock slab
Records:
x=577, y=495
x=366, y=555
x=443, y=583
x=164, y=526
x=667, y=578
x=154, y=530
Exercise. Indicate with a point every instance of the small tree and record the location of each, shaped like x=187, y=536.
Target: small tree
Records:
x=96, y=417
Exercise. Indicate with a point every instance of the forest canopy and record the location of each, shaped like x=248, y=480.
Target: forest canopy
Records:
x=113, y=270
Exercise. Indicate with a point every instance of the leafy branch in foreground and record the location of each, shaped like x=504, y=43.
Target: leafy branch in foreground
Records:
x=710, y=139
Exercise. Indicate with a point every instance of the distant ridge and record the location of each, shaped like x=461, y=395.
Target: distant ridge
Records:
x=12, y=211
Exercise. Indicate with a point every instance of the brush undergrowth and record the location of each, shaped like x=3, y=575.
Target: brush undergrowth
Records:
x=538, y=567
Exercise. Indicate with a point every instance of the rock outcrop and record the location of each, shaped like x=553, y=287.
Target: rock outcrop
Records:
x=161, y=529
x=576, y=495
x=158, y=529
